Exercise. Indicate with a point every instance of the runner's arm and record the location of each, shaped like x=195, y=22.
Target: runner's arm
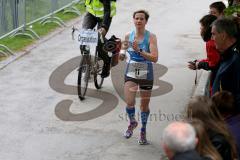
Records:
x=153, y=55
x=124, y=47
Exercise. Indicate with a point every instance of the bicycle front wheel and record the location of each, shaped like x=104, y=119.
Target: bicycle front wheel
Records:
x=83, y=76
x=98, y=68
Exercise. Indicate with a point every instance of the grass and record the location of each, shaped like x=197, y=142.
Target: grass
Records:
x=18, y=43
x=2, y=58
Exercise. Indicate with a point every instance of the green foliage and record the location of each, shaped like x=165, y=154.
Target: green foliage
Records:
x=18, y=43
x=2, y=58
x=232, y=10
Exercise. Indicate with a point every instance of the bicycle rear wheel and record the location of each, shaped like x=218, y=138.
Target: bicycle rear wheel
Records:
x=98, y=68
x=83, y=76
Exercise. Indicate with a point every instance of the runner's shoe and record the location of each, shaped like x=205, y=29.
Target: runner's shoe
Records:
x=143, y=140
x=130, y=129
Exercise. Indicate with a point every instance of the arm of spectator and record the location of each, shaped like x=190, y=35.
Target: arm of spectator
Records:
x=213, y=55
x=202, y=65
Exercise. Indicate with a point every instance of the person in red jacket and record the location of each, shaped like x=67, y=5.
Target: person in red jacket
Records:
x=213, y=57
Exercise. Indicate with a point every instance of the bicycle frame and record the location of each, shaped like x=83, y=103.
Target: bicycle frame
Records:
x=88, y=67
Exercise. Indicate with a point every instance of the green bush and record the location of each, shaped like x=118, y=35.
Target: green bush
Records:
x=232, y=10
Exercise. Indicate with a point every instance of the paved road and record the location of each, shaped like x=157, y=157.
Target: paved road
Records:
x=42, y=118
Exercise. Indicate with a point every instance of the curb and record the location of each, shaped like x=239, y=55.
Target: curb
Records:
x=28, y=49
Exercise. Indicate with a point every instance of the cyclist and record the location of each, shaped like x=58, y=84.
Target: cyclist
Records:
x=139, y=72
x=100, y=12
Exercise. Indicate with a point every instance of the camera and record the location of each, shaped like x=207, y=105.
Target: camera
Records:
x=192, y=62
x=112, y=45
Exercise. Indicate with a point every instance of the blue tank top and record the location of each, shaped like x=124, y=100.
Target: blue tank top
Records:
x=138, y=64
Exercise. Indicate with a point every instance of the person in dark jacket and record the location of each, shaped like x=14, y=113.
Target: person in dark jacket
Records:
x=179, y=142
x=225, y=33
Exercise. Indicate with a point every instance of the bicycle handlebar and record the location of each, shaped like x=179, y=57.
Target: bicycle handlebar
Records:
x=73, y=30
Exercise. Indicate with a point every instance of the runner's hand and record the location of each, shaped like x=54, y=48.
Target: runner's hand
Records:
x=122, y=57
x=135, y=45
x=125, y=45
x=102, y=31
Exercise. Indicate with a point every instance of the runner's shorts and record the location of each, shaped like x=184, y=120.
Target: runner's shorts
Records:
x=143, y=83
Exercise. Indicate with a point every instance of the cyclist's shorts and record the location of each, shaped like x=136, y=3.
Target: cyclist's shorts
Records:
x=143, y=83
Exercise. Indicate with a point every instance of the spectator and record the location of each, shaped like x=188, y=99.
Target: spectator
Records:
x=217, y=9
x=236, y=2
x=224, y=102
x=230, y=2
x=233, y=2
x=225, y=33
x=213, y=57
x=204, y=146
x=200, y=107
x=179, y=142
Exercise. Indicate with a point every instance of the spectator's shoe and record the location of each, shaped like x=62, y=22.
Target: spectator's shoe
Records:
x=142, y=140
x=130, y=129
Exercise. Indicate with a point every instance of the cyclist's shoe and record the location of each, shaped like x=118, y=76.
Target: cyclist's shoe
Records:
x=105, y=74
x=143, y=140
x=106, y=71
x=130, y=129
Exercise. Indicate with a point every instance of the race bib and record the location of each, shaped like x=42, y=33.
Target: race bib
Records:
x=137, y=70
x=88, y=37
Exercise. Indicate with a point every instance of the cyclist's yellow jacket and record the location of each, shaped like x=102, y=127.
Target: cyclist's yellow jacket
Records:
x=95, y=7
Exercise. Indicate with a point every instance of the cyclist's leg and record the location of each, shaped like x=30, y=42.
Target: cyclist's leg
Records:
x=145, y=94
x=107, y=61
x=130, y=89
x=103, y=54
x=89, y=21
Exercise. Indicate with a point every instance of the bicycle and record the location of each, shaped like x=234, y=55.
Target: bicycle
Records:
x=90, y=66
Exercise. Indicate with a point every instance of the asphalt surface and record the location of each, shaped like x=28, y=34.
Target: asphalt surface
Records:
x=42, y=117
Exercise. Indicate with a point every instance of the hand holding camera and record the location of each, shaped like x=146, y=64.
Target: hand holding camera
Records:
x=192, y=65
